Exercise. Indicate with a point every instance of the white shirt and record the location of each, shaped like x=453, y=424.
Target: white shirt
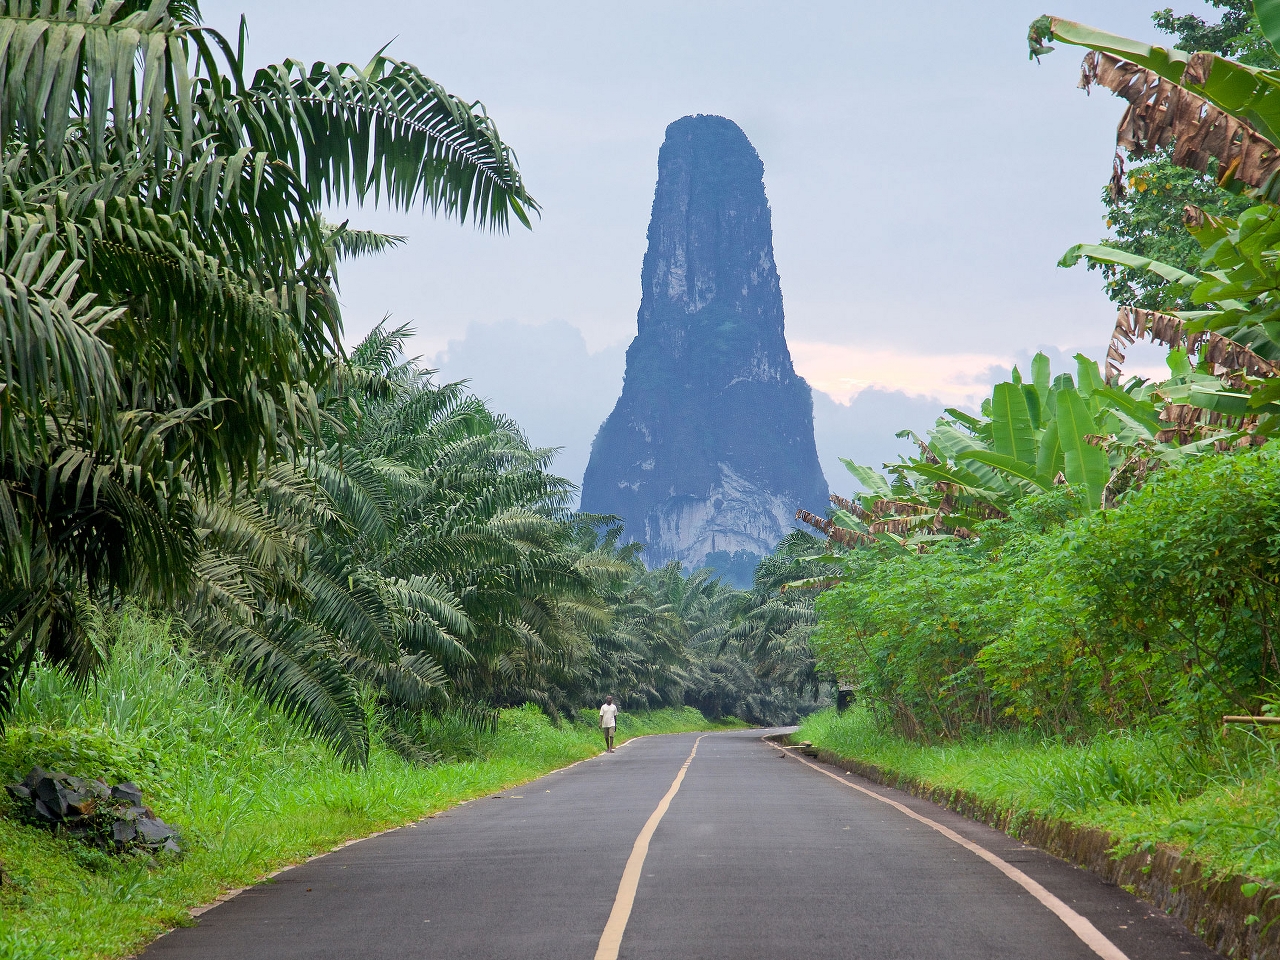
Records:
x=607, y=714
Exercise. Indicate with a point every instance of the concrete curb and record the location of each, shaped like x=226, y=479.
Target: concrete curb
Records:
x=1210, y=906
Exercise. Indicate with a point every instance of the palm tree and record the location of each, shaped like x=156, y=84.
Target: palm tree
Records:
x=167, y=283
x=464, y=497
x=774, y=636
x=693, y=639
x=641, y=659
x=415, y=548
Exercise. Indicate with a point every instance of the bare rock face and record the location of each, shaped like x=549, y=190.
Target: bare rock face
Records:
x=710, y=448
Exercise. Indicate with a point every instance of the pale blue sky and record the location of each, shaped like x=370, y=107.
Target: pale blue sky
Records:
x=924, y=178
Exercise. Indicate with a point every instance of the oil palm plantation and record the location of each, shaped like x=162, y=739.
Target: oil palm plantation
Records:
x=415, y=549
x=458, y=517
x=693, y=639
x=774, y=635
x=168, y=299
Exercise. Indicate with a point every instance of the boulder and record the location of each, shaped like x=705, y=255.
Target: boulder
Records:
x=92, y=811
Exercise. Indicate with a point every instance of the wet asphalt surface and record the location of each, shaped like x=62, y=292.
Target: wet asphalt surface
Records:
x=758, y=858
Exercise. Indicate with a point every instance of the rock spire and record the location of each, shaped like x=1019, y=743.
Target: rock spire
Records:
x=709, y=450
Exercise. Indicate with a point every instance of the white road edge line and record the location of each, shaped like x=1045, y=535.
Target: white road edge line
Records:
x=1092, y=937
x=611, y=939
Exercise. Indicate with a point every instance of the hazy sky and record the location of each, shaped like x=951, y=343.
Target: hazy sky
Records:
x=924, y=178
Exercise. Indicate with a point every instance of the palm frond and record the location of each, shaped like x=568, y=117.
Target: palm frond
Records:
x=385, y=130
x=290, y=666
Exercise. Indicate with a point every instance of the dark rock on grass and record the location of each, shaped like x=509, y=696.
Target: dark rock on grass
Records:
x=91, y=811
x=152, y=831
x=128, y=792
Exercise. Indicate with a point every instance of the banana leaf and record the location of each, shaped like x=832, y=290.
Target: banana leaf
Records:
x=1088, y=376
x=1169, y=63
x=1268, y=12
x=1130, y=429
x=1141, y=412
x=1012, y=433
x=1041, y=376
x=1049, y=457
x=1221, y=401
x=972, y=422
x=1103, y=254
x=1018, y=469
x=1032, y=396
x=1245, y=92
x=960, y=478
x=1083, y=464
x=872, y=481
x=843, y=518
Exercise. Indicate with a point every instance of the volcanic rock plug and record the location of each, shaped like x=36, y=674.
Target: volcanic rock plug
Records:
x=709, y=450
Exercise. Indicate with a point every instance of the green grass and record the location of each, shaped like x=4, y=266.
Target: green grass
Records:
x=1219, y=801
x=249, y=788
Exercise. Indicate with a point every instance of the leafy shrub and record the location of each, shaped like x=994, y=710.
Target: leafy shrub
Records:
x=1162, y=610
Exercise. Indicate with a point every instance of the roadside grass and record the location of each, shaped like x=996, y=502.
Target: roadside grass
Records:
x=250, y=790
x=1219, y=801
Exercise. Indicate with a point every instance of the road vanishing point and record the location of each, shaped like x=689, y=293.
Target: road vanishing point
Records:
x=687, y=847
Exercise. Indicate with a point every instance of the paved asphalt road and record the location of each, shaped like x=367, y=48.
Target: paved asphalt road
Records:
x=759, y=857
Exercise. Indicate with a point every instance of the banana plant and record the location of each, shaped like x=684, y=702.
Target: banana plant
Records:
x=1034, y=435
x=1211, y=109
x=1031, y=436
x=1236, y=335
x=1209, y=106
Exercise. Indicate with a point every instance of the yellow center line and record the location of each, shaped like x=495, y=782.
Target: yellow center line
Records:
x=1092, y=937
x=611, y=939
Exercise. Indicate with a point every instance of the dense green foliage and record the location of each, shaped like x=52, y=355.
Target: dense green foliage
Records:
x=180, y=426
x=168, y=293
x=1084, y=555
x=1161, y=610
x=252, y=789
x=417, y=546
x=1068, y=645
x=1237, y=34
x=1100, y=437
x=693, y=639
x=1145, y=211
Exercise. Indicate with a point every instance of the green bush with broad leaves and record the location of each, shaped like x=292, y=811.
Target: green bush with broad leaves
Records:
x=1161, y=610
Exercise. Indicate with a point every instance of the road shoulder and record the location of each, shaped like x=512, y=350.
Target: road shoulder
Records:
x=1136, y=927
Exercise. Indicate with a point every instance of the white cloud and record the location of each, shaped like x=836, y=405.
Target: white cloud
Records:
x=843, y=371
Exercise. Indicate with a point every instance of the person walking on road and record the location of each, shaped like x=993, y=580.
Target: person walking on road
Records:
x=608, y=722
